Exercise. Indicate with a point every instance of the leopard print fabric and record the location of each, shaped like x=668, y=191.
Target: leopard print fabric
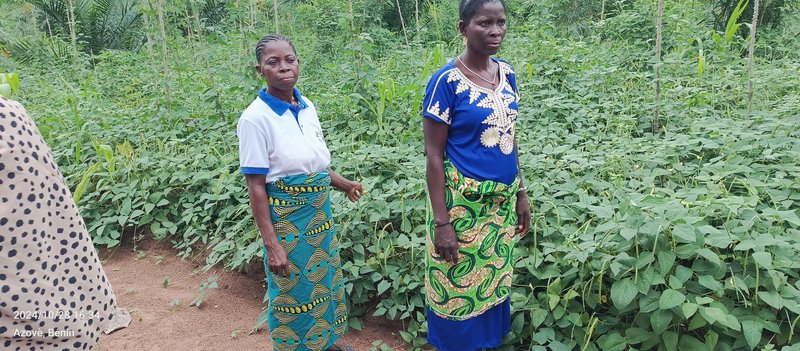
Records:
x=54, y=294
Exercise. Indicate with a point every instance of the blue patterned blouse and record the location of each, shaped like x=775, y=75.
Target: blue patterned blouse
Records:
x=480, y=140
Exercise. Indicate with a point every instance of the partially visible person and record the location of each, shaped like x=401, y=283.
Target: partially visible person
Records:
x=54, y=294
x=478, y=204
x=286, y=162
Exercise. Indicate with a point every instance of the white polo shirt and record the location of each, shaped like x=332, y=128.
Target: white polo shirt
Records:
x=278, y=139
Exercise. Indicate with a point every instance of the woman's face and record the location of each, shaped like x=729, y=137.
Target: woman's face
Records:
x=279, y=65
x=487, y=28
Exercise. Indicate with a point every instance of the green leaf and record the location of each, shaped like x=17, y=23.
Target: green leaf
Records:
x=745, y=245
x=544, y=335
x=643, y=260
x=380, y=311
x=262, y=319
x=571, y=294
x=665, y=261
x=12, y=80
x=675, y=283
x=787, y=216
x=559, y=346
x=702, y=300
x=604, y=212
x=614, y=342
x=684, y=233
x=670, y=340
x=697, y=322
x=772, y=298
x=5, y=90
x=689, y=309
x=355, y=323
x=519, y=299
x=554, y=288
x=712, y=314
x=671, y=298
x=709, y=255
x=628, y=233
x=649, y=303
x=715, y=237
x=623, y=292
x=712, y=338
x=660, y=320
x=752, y=332
x=710, y=283
x=683, y=273
x=85, y=178
x=764, y=259
x=383, y=286
x=606, y=227
x=552, y=301
x=126, y=207
x=731, y=322
x=689, y=343
x=559, y=312
x=635, y=335
x=518, y=323
x=538, y=316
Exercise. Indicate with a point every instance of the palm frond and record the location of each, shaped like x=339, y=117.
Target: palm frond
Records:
x=23, y=51
x=99, y=24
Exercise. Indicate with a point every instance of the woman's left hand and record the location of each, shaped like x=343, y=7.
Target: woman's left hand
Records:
x=354, y=191
x=523, y=214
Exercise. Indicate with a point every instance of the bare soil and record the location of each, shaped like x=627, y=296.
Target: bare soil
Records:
x=157, y=287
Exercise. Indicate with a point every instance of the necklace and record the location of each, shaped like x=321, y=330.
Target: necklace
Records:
x=494, y=77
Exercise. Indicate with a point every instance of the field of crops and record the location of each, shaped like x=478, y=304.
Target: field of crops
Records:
x=688, y=238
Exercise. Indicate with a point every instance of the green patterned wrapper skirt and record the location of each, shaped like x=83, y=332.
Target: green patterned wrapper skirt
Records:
x=306, y=310
x=484, y=218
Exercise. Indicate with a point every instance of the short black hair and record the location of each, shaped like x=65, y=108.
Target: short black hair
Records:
x=268, y=39
x=467, y=8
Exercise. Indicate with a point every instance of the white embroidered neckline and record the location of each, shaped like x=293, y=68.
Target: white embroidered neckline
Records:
x=501, y=122
x=502, y=119
x=500, y=85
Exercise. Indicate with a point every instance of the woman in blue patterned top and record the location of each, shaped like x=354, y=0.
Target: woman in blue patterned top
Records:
x=478, y=204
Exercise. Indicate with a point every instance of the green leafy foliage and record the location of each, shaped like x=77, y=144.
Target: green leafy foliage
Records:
x=687, y=240
x=99, y=24
x=9, y=84
x=772, y=12
x=205, y=286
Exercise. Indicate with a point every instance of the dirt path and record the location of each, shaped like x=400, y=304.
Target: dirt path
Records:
x=164, y=320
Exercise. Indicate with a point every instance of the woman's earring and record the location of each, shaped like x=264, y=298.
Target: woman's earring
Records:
x=465, y=40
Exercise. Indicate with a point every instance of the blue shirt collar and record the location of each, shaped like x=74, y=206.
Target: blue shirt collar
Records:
x=279, y=106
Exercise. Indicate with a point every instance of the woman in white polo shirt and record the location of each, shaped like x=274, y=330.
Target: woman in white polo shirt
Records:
x=286, y=163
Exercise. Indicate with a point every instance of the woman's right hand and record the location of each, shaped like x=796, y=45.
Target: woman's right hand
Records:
x=446, y=243
x=277, y=261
